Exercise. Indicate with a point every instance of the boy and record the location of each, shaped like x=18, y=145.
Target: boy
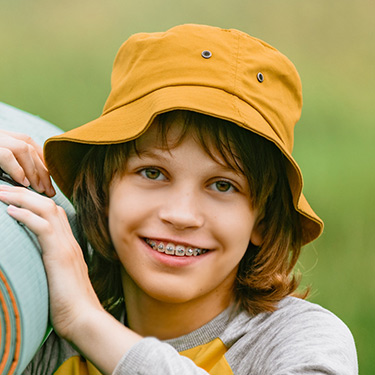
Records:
x=187, y=192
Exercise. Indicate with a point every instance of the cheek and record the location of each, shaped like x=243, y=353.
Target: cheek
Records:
x=123, y=202
x=119, y=218
x=122, y=225
x=236, y=227
x=128, y=213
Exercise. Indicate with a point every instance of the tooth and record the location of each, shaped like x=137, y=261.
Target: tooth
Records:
x=151, y=243
x=189, y=251
x=180, y=250
x=197, y=251
x=161, y=247
x=170, y=249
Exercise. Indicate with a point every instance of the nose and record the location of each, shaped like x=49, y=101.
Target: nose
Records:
x=182, y=210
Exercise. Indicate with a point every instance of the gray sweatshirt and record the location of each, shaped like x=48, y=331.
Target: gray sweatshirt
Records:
x=298, y=338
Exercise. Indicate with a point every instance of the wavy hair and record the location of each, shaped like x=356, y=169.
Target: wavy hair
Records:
x=265, y=273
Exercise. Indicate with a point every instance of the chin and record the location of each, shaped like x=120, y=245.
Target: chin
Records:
x=172, y=296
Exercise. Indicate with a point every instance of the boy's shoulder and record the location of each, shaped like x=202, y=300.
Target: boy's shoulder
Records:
x=294, y=318
x=300, y=317
x=300, y=337
x=299, y=333
x=292, y=313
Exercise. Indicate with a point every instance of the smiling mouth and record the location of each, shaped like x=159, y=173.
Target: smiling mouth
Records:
x=173, y=249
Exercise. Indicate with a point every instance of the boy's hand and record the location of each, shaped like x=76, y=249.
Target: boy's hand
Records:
x=71, y=292
x=75, y=310
x=22, y=158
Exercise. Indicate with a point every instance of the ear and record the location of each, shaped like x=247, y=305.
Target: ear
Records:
x=256, y=237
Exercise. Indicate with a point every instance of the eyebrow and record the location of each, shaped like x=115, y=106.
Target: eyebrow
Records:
x=150, y=152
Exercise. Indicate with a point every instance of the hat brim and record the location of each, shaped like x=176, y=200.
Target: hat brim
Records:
x=64, y=152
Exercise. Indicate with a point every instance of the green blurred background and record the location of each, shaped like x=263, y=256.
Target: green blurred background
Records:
x=55, y=62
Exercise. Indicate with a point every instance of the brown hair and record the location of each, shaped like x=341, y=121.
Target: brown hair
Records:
x=265, y=272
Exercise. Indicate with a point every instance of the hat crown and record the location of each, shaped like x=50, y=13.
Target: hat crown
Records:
x=147, y=62
x=222, y=73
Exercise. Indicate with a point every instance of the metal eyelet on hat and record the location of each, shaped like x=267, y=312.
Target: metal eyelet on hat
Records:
x=206, y=54
x=260, y=77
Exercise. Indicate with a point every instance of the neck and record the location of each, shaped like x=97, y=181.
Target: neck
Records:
x=149, y=316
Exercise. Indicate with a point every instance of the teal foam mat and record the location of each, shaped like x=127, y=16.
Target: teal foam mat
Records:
x=24, y=323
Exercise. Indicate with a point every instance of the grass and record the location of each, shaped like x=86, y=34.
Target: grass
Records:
x=57, y=64
x=338, y=155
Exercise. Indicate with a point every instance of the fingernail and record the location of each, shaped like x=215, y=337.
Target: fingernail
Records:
x=51, y=191
x=11, y=208
x=25, y=182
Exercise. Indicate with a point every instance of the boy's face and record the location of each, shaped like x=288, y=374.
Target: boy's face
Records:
x=179, y=200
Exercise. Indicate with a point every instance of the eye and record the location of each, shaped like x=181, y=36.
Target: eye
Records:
x=152, y=174
x=223, y=186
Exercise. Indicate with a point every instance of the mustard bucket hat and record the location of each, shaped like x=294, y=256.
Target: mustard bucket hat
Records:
x=222, y=73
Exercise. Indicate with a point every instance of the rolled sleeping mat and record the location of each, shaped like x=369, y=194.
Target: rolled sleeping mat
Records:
x=24, y=323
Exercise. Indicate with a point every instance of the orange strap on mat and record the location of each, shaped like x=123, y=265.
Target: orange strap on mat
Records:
x=11, y=333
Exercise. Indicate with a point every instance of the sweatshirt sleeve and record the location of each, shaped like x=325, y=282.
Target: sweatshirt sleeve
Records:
x=152, y=357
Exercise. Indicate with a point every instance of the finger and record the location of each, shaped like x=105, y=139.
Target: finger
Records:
x=24, y=198
x=10, y=165
x=22, y=160
x=34, y=222
x=25, y=138
x=40, y=214
x=40, y=178
x=20, y=155
x=36, y=152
